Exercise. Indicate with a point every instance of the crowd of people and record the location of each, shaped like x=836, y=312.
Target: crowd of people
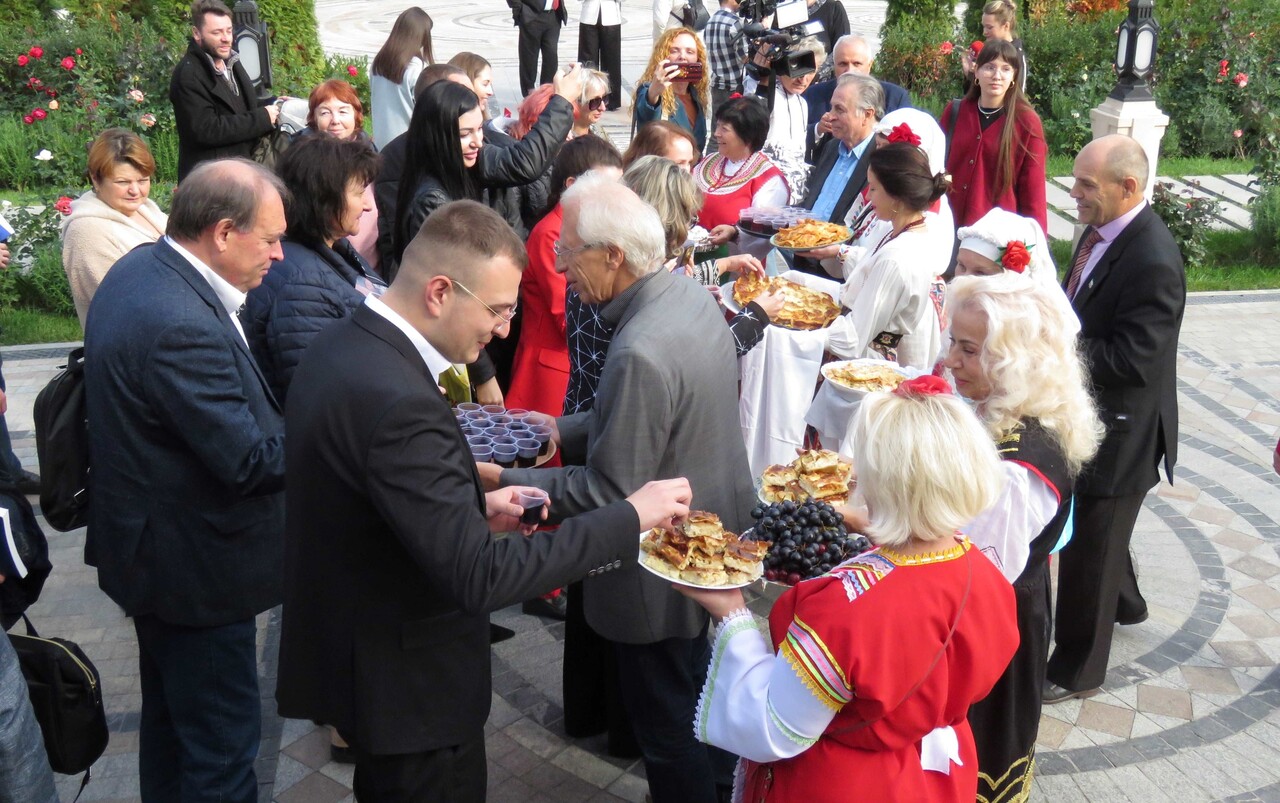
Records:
x=270, y=370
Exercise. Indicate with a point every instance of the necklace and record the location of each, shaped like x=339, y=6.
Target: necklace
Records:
x=989, y=114
x=893, y=235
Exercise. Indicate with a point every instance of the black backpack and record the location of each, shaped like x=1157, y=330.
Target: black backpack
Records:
x=62, y=446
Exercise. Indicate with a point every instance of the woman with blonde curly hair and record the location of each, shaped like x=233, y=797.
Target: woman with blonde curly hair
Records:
x=1014, y=352
x=664, y=93
x=862, y=688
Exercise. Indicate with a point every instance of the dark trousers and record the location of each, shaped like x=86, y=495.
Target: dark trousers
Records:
x=601, y=45
x=660, y=687
x=456, y=774
x=201, y=714
x=539, y=33
x=1096, y=586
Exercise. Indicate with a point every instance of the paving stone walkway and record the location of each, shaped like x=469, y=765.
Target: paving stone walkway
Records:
x=1190, y=710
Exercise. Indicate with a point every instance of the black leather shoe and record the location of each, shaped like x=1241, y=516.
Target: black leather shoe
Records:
x=1133, y=620
x=28, y=484
x=1053, y=693
x=550, y=607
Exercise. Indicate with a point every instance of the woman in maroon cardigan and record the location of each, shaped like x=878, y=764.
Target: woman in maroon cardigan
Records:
x=995, y=161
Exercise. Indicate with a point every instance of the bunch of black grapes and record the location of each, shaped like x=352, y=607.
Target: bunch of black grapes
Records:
x=807, y=539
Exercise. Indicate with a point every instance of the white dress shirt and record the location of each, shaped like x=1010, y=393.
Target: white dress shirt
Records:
x=435, y=361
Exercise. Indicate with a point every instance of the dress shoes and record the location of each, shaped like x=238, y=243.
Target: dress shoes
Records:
x=1053, y=693
x=1132, y=620
x=549, y=607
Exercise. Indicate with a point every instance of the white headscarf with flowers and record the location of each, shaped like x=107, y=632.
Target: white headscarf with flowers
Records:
x=1013, y=242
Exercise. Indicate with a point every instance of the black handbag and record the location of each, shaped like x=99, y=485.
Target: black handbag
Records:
x=66, y=694
x=62, y=446
x=695, y=15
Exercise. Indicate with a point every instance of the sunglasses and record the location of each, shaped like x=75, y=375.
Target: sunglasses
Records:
x=596, y=104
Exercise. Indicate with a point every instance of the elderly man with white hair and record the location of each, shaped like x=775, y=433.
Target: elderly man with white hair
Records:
x=664, y=408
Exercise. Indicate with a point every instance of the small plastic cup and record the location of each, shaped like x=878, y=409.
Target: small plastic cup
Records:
x=516, y=427
x=476, y=415
x=542, y=434
x=528, y=452
x=500, y=418
x=467, y=407
x=503, y=440
x=505, y=455
x=482, y=454
x=517, y=413
x=479, y=440
x=537, y=419
x=532, y=501
x=494, y=409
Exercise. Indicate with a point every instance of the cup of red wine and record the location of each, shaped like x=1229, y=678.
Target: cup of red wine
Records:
x=532, y=501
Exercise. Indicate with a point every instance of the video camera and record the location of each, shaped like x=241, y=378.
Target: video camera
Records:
x=791, y=24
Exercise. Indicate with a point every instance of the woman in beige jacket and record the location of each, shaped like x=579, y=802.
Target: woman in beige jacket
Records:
x=114, y=217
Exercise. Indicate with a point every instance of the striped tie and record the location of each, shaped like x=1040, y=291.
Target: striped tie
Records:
x=1091, y=238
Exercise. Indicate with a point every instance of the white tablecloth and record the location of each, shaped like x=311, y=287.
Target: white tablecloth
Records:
x=832, y=412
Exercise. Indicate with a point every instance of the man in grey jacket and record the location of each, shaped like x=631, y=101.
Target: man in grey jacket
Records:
x=666, y=407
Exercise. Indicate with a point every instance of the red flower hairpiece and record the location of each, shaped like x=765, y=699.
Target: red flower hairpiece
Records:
x=926, y=385
x=903, y=133
x=1016, y=256
x=735, y=96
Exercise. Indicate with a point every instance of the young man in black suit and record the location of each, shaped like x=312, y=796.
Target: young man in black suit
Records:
x=539, y=22
x=1129, y=289
x=214, y=102
x=391, y=566
x=187, y=448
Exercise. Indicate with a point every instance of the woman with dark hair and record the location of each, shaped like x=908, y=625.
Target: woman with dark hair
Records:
x=321, y=276
x=394, y=73
x=541, y=371
x=998, y=150
x=739, y=174
x=666, y=139
x=894, y=292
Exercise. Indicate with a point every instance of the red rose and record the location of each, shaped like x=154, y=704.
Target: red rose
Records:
x=68, y=63
x=1224, y=67
x=39, y=114
x=36, y=52
x=51, y=93
x=903, y=133
x=1241, y=80
x=946, y=48
x=352, y=71
x=28, y=119
x=23, y=61
x=927, y=385
x=63, y=205
x=79, y=52
x=1016, y=257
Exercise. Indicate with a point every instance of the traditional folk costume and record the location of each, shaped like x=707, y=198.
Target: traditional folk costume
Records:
x=1019, y=533
x=729, y=187
x=864, y=692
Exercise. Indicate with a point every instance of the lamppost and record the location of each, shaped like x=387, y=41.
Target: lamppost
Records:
x=1131, y=109
x=251, y=43
x=1136, y=52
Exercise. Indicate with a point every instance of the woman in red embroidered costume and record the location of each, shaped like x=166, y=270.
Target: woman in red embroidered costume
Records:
x=998, y=151
x=739, y=174
x=1013, y=351
x=861, y=691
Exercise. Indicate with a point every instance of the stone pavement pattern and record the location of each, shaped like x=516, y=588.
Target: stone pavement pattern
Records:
x=1190, y=708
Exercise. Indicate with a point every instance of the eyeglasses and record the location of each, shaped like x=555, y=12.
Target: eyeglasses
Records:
x=504, y=317
x=596, y=104
x=565, y=253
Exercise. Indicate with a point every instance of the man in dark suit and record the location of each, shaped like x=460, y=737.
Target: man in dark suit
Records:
x=187, y=448
x=539, y=22
x=1128, y=287
x=214, y=102
x=840, y=172
x=391, y=567
x=851, y=54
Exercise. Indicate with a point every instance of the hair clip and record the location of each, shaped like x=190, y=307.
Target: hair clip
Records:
x=925, y=385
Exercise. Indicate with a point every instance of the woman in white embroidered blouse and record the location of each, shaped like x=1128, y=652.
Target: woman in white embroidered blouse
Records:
x=838, y=705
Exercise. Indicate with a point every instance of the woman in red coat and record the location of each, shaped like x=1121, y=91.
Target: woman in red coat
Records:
x=997, y=156
x=540, y=372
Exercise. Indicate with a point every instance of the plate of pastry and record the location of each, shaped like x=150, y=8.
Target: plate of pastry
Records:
x=859, y=377
x=700, y=553
x=816, y=474
x=802, y=308
x=809, y=234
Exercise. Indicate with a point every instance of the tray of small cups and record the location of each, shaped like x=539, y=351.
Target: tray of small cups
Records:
x=765, y=222
x=512, y=438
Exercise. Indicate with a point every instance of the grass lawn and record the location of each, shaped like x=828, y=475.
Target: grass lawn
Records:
x=1176, y=167
x=22, y=326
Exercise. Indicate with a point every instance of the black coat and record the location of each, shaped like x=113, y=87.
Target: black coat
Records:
x=187, y=446
x=213, y=122
x=822, y=167
x=1130, y=310
x=390, y=567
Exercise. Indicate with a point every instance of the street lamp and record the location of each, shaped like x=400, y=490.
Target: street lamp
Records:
x=251, y=43
x=1136, y=52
